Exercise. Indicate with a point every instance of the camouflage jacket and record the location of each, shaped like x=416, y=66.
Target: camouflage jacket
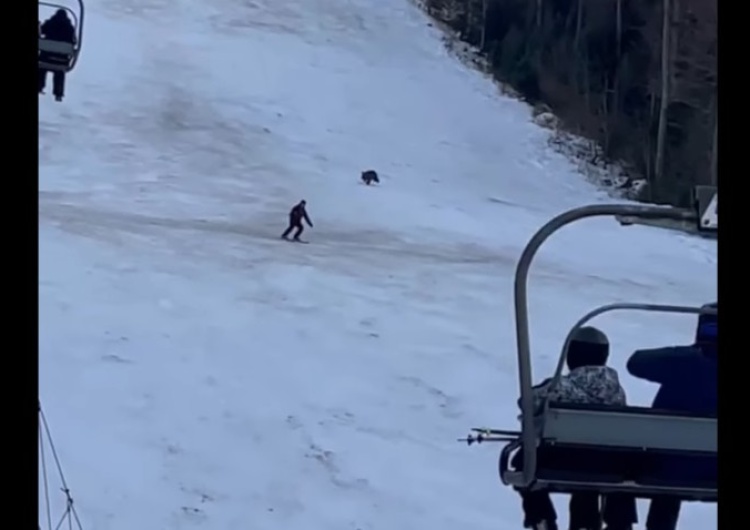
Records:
x=595, y=385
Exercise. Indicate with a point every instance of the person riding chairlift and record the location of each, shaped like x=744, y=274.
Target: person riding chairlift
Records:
x=589, y=381
x=689, y=382
x=57, y=28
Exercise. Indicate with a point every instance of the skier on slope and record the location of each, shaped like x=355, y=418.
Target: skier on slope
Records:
x=296, y=215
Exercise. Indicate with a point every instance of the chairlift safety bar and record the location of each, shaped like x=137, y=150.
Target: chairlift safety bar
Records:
x=658, y=308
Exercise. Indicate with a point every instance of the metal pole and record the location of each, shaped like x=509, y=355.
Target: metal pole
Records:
x=521, y=305
x=80, y=30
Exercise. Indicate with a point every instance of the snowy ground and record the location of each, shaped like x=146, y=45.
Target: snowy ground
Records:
x=198, y=373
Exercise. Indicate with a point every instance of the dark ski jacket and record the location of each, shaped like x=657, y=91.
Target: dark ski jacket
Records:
x=59, y=27
x=298, y=213
x=688, y=376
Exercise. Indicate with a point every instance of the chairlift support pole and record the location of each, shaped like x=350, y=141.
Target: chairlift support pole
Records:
x=521, y=305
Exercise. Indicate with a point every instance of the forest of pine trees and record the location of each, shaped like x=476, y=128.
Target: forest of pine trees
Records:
x=638, y=77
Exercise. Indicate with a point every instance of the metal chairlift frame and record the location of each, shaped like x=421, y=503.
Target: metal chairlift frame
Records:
x=532, y=428
x=59, y=47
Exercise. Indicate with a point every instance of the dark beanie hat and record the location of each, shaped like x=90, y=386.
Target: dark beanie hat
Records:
x=707, y=330
x=589, y=346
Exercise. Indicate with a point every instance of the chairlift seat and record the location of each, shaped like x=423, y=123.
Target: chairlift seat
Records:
x=56, y=55
x=629, y=427
x=623, y=450
x=56, y=46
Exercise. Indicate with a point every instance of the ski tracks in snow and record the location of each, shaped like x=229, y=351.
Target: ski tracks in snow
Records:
x=236, y=244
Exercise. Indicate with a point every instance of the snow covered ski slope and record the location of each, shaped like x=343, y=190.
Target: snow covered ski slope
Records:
x=199, y=373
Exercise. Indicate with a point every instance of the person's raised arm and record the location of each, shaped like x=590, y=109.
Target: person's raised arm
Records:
x=655, y=365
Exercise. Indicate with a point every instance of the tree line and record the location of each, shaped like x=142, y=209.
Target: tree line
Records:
x=638, y=77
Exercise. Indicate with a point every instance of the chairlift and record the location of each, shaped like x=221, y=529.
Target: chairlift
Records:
x=69, y=52
x=627, y=439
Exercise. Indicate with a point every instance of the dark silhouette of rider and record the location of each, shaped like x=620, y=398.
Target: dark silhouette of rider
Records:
x=296, y=215
x=57, y=28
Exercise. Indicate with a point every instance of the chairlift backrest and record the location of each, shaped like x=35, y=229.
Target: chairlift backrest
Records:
x=629, y=427
x=55, y=46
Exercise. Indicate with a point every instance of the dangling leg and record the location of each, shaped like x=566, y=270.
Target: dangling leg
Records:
x=619, y=511
x=58, y=85
x=42, y=80
x=663, y=513
x=538, y=510
x=584, y=512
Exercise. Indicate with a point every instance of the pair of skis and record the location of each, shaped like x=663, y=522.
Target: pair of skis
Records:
x=295, y=240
